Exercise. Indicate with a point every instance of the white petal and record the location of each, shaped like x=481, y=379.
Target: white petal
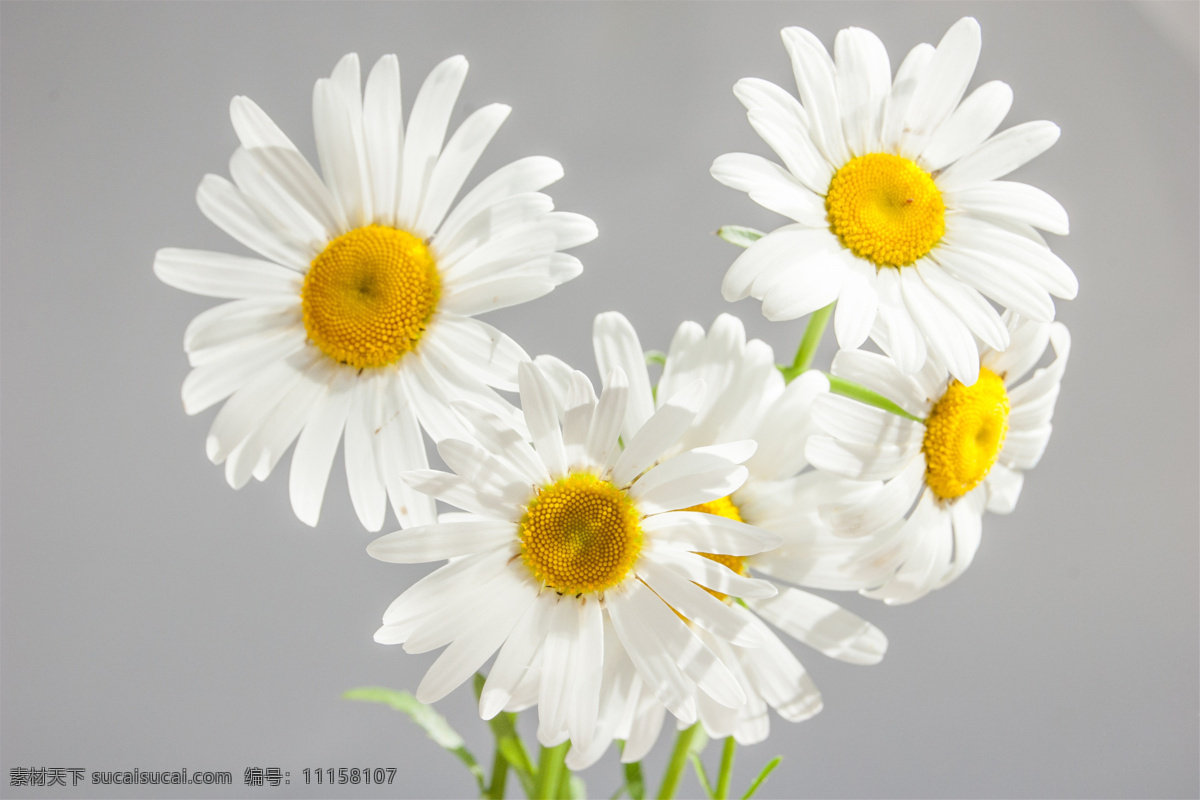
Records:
x=399, y=447
x=824, y=626
x=773, y=255
x=339, y=146
x=228, y=209
x=999, y=155
x=530, y=174
x=259, y=174
x=663, y=429
x=975, y=119
x=1003, y=488
x=542, y=417
x=656, y=666
x=212, y=382
x=707, y=572
x=316, y=447
x=945, y=333
x=966, y=303
x=857, y=305
x=426, y=132
x=222, y=331
x=603, y=438
x=784, y=426
x=1046, y=268
x=852, y=421
x=698, y=606
x=771, y=186
x=516, y=656
x=691, y=482
x=441, y=541
x=458, y=492
x=577, y=419
x=942, y=83
x=864, y=78
x=857, y=461
x=617, y=347
x=456, y=162
x=215, y=274
x=813, y=70
x=998, y=278
x=694, y=659
x=695, y=531
x=468, y=344
x=367, y=490
x=383, y=136
x=810, y=285
x=881, y=376
x=908, y=77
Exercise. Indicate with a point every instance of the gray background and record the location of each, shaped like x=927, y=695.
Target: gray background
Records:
x=153, y=618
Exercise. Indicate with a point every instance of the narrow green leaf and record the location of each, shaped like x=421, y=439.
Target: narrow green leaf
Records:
x=433, y=723
x=864, y=395
x=739, y=235
x=762, y=776
x=656, y=357
x=703, y=776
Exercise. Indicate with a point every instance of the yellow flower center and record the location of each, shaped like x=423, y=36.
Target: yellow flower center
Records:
x=369, y=295
x=964, y=434
x=885, y=209
x=722, y=507
x=580, y=534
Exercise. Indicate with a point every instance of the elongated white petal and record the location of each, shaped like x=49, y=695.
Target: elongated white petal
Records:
x=315, y=449
x=999, y=155
x=542, y=417
x=456, y=162
x=525, y=175
x=368, y=493
x=212, y=382
x=857, y=304
x=222, y=275
x=439, y=541
x=942, y=83
x=707, y=572
x=617, y=347
x=975, y=119
x=814, y=71
x=426, y=132
x=698, y=606
x=383, y=136
x=863, y=79
x=771, y=186
x=950, y=340
x=824, y=626
x=662, y=430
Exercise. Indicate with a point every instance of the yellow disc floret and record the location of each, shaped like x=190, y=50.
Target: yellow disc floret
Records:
x=580, y=534
x=885, y=209
x=722, y=507
x=369, y=295
x=964, y=434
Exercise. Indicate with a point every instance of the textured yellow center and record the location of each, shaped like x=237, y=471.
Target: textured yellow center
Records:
x=964, y=434
x=722, y=507
x=885, y=209
x=580, y=534
x=369, y=295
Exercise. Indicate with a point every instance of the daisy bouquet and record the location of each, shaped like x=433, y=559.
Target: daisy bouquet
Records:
x=643, y=548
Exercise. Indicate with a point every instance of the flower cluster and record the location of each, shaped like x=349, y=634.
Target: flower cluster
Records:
x=628, y=553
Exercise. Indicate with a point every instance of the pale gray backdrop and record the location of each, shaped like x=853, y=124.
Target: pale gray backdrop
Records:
x=153, y=618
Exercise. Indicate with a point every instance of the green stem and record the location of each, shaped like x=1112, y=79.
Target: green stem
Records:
x=864, y=395
x=635, y=784
x=550, y=770
x=679, y=756
x=499, y=775
x=808, y=344
x=726, y=774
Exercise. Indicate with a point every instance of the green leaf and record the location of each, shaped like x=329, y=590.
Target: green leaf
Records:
x=703, y=776
x=739, y=235
x=433, y=723
x=864, y=395
x=656, y=357
x=762, y=776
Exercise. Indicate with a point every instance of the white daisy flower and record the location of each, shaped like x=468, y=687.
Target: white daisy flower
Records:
x=572, y=549
x=359, y=315
x=748, y=400
x=898, y=214
x=968, y=453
